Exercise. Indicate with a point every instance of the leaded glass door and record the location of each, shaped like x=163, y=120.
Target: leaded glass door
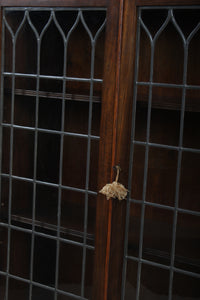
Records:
x=51, y=91
x=162, y=239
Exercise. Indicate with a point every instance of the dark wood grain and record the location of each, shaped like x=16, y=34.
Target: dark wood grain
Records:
x=113, y=246
x=107, y=151
x=124, y=115
x=70, y=3
x=166, y=2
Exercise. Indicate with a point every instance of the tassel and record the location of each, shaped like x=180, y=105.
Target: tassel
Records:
x=114, y=189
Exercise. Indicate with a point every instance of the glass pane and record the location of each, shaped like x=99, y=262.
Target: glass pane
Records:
x=19, y=260
x=72, y=215
x=23, y=153
x=3, y=250
x=190, y=185
x=154, y=283
x=138, y=172
x=96, y=115
x=76, y=117
x=24, y=114
x=52, y=43
x=166, y=104
x=50, y=111
x=157, y=235
x=187, y=255
x=191, y=134
x=64, y=297
x=74, y=161
x=131, y=280
x=7, y=99
x=94, y=154
x=18, y=290
x=21, y=200
x=161, y=180
x=46, y=206
x=134, y=229
x=70, y=268
x=170, y=54
x=5, y=150
x=89, y=273
x=44, y=260
x=92, y=215
x=26, y=45
x=185, y=287
x=141, y=114
x=40, y=294
x=48, y=156
x=2, y=286
x=50, y=88
x=4, y=199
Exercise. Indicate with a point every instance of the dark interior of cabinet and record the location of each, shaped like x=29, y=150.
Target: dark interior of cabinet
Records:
x=158, y=124
x=55, y=95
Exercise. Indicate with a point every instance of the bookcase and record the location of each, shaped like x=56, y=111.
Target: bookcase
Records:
x=85, y=86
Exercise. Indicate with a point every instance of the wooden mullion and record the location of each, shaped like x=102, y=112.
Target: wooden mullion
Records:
x=107, y=150
x=123, y=140
x=114, y=150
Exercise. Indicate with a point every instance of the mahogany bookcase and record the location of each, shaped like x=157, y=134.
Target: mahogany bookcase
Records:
x=87, y=85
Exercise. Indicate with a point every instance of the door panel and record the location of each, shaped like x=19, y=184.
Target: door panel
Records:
x=162, y=242
x=52, y=74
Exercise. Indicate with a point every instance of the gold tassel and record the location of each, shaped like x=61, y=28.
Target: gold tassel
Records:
x=114, y=189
